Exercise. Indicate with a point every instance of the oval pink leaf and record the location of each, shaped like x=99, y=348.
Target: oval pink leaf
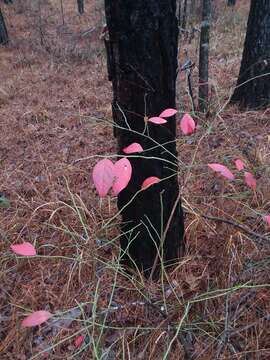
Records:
x=239, y=164
x=157, y=120
x=267, y=219
x=36, y=318
x=187, y=124
x=250, y=180
x=25, y=249
x=168, y=112
x=122, y=172
x=223, y=170
x=150, y=181
x=79, y=341
x=103, y=176
x=133, y=148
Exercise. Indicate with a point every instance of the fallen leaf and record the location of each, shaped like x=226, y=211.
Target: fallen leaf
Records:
x=250, y=180
x=187, y=124
x=122, y=172
x=267, y=219
x=79, y=341
x=157, y=120
x=223, y=170
x=25, y=249
x=36, y=318
x=167, y=113
x=133, y=148
x=103, y=176
x=150, y=181
x=4, y=202
x=239, y=164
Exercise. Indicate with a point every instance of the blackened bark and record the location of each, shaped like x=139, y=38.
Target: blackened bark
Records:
x=80, y=6
x=3, y=30
x=253, y=85
x=204, y=56
x=143, y=65
x=231, y=2
x=184, y=18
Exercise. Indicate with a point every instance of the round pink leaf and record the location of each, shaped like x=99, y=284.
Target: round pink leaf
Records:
x=133, y=148
x=103, y=176
x=79, y=341
x=36, y=318
x=157, y=120
x=150, y=181
x=187, y=124
x=223, y=170
x=122, y=172
x=167, y=113
x=25, y=249
x=239, y=164
x=250, y=180
x=267, y=219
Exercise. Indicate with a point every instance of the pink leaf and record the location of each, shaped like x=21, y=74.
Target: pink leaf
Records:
x=157, y=120
x=167, y=113
x=267, y=219
x=79, y=341
x=122, y=171
x=36, y=318
x=187, y=124
x=133, y=148
x=239, y=164
x=223, y=170
x=150, y=181
x=25, y=249
x=250, y=180
x=103, y=176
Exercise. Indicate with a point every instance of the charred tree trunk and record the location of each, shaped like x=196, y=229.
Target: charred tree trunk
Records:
x=253, y=85
x=80, y=6
x=142, y=54
x=204, y=56
x=231, y=2
x=3, y=30
x=185, y=15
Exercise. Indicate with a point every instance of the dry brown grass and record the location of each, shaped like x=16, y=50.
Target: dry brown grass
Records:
x=51, y=95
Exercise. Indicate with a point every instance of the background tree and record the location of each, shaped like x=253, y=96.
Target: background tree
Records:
x=80, y=6
x=253, y=85
x=204, y=55
x=142, y=61
x=231, y=2
x=3, y=30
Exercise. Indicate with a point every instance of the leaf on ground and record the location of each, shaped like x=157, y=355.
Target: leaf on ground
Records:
x=24, y=249
x=223, y=170
x=4, y=202
x=250, y=180
x=36, y=318
x=150, y=181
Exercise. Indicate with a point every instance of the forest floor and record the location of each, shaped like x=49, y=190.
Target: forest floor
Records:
x=55, y=111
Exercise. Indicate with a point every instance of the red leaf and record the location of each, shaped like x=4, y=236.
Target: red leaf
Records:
x=122, y=171
x=250, y=180
x=267, y=219
x=36, y=318
x=187, y=124
x=103, y=176
x=157, y=120
x=167, y=113
x=239, y=164
x=133, y=148
x=223, y=170
x=79, y=341
x=25, y=249
x=150, y=181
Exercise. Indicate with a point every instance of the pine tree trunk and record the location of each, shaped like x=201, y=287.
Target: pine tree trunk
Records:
x=142, y=57
x=80, y=6
x=3, y=30
x=253, y=85
x=204, y=56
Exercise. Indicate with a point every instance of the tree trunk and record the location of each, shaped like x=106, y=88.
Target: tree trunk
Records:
x=204, y=56
x=3, y=30
x=142, y=67
x=231, y=2
x=80, y=6
x=184, y=18
x=253, y=85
